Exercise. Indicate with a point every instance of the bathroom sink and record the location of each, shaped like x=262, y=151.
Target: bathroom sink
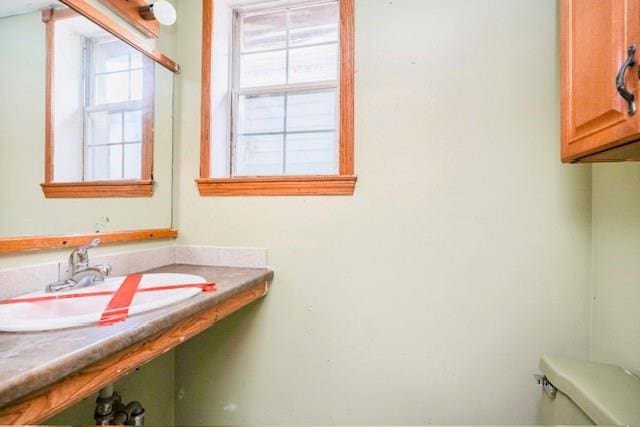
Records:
x=41, y=311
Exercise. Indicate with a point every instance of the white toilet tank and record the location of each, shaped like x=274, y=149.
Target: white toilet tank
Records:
x=576, y=392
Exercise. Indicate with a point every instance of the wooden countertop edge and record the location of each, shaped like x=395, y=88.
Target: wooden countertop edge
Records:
x=46, y=402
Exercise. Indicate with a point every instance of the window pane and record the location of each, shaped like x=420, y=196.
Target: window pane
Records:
x=98, y=128
x=133, y=161
x=112, y=56
x=136, y=59
x=115, y=161
x=317, y=24
x=112, y=88
x=310, y=64
x=104, y=128
x=262, y=32
x=115, y=127
x=104, y=163
x=133, y=126
x=97, y=168
x=259, y=155
x=311, y=111
x=261, y=69
x=311, y=154
x=261, y=114
x=136, y=85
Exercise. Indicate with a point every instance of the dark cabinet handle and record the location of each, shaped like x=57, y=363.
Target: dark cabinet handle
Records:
x=620, y=83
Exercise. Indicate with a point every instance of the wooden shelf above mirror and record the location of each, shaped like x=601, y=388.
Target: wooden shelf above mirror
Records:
x=129, y=10
x=98, y=17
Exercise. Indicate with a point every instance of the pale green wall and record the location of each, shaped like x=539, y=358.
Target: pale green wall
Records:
x=465, y=254
x=616, y=265
x=429, y=296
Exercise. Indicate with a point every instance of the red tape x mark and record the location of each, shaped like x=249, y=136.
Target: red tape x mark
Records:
x=118, y=308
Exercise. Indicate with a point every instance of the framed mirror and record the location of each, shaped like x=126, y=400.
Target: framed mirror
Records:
x=86, y=127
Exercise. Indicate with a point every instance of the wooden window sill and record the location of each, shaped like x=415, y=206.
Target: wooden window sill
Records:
x=279, y=186
x=97, y=189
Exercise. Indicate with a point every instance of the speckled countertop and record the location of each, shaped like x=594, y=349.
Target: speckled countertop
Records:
x=31, y=361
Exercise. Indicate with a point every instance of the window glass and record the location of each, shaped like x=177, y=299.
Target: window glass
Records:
x=132, y=161
x=111, y=56
x=286, y=69
x=115, y=83
x=111, y=88
x=264, y=31
x=260, y=155
x=311, y=111
x=311, y=153
x=263, y=69
x=313, y=25
x=261, y=114
x=312, y=64
x=133, y=126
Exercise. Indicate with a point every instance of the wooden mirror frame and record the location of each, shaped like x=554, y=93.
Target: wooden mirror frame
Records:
x=48, y=242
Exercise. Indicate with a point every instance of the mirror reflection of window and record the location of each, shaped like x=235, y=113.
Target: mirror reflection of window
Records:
x=103, y=121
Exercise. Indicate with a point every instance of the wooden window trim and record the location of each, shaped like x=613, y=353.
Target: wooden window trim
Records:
x=37, y=243
x=97, y=189
x=94, y=189
x=315, y=185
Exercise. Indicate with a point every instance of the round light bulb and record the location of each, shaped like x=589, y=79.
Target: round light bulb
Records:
x=164, y=12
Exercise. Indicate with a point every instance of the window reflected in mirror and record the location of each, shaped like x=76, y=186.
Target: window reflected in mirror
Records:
x=102, y=128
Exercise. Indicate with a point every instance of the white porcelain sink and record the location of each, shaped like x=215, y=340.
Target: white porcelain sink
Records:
x=66, y=312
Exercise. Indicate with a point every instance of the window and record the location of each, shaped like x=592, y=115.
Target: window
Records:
x=285, y=75
x=113, y=111
x=99, y=133
x=283, y=123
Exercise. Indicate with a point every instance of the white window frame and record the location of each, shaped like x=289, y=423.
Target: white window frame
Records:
x=284, y=89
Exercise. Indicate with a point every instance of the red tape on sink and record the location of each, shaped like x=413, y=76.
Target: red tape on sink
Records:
x=118, y=308
x=206, y=287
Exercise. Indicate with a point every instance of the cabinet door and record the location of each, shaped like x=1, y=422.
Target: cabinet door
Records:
x=595, y=38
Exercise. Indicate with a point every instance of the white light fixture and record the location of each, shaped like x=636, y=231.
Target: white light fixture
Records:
x=161, y=10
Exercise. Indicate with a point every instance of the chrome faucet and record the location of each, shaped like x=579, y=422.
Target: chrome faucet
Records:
x=81, y=274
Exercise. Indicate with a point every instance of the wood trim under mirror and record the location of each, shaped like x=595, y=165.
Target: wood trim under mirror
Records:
x=99, y=18
x=94, y=189
x=37, y=243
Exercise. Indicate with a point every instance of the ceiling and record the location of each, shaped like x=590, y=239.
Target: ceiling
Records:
x=19, y=7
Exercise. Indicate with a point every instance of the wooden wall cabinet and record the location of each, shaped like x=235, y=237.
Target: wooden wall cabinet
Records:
x=597, y=41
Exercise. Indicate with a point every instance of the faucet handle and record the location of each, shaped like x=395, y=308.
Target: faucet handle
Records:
x=82, y=250
x=105, y=269
x=93, y=244
x=79, y=258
